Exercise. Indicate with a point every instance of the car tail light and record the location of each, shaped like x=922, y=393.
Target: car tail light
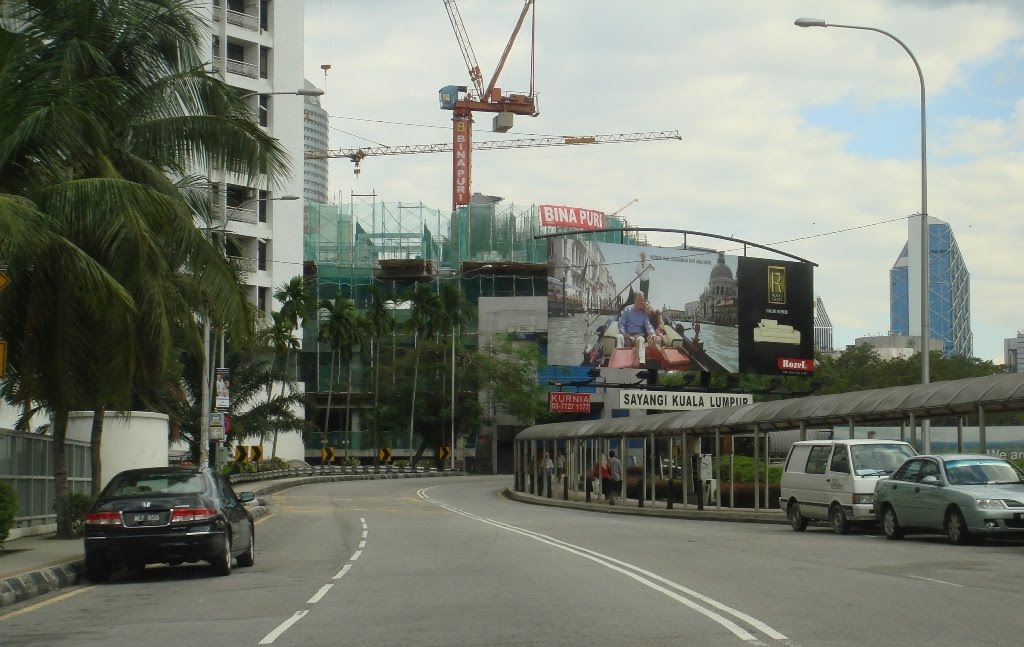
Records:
x=186, y=515
x=103, y=519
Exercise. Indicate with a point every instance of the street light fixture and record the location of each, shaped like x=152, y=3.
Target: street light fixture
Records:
x=204, y=408
x=925, y=332
x=305, y=92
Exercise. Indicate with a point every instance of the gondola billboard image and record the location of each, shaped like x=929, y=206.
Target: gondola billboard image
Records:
x=688, y=309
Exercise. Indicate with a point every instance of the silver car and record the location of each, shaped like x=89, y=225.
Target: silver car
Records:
x=960, y=494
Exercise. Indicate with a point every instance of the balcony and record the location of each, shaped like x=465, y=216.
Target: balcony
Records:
x=244, y=265
x=241, y=68
x=244, y=20
x=236, y=214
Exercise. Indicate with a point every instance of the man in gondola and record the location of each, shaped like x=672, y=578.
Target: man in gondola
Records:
x=635, y=326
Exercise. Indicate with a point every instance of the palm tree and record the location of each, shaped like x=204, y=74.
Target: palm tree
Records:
x=381, y=322
x=278, y=337
x=423, y=320
x=296, y=298
x=104, y=110
x=357, y=338
x=336, y=326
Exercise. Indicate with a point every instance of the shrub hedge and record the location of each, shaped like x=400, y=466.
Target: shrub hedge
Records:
x=8, y=510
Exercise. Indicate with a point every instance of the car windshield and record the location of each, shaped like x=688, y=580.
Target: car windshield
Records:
x=879, y=458
x=982, y=472
x=170, y=482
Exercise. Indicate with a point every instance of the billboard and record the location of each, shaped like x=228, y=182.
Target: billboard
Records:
x=719, y=313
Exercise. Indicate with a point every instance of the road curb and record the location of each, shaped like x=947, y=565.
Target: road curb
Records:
x=691, y=514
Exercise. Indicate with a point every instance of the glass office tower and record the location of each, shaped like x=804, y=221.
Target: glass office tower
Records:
x=949, y=293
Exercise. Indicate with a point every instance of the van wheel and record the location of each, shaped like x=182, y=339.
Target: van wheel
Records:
x=797, y=520
x=956, y=528
x=890, y=524
x=837, y=517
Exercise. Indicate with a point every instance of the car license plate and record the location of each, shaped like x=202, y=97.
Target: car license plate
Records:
x=147, y=519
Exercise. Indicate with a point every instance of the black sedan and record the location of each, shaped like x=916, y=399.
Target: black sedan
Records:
x=168, y=515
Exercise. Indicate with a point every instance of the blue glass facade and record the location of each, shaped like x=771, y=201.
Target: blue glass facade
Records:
x=949, y=293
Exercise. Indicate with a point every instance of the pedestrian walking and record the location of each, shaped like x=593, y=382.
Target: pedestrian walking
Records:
x=560, y=464
x=602, y=471
x=548, y=467
x=615, y=477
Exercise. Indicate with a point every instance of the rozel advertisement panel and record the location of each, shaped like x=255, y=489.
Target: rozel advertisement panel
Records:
x=695, y=300
x=776, y=316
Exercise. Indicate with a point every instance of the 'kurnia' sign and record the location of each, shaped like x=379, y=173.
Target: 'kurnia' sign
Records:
x=673, y=401
x=573, y=217
x=564, y=402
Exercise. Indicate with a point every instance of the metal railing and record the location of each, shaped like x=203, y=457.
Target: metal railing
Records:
x=332, y=470
x=248, y=21
x=243, y=264
x=241, y=68
x=26, y=463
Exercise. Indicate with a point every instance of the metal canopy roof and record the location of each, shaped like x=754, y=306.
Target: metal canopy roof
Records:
x=1004, y=392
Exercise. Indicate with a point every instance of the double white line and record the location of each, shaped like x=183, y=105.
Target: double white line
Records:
x=694, y=600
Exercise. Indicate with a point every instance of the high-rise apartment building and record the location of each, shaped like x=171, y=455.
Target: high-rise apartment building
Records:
x=256, y=47
x=315, y=136
x=949, y=293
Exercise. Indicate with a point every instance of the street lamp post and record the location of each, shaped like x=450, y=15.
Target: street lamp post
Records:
x=205, y=395
x=924, y=248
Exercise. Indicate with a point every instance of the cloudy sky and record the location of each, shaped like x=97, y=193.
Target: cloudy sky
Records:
x=802, y=139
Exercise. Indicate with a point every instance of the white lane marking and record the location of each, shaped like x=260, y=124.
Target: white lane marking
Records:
x=362, y=544
x=355, y=555
x=319, y=594
x=283, y=627
x=364, y=533
x=362, y=520
x=928, y=579
x=341, y=573
x=639, y=575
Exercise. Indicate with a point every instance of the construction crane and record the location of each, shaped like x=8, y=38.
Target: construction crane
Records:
x=622, y=208
x=463, y=101
x=357, y=154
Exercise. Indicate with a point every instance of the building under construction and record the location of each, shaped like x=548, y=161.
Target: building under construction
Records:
x=488, y=247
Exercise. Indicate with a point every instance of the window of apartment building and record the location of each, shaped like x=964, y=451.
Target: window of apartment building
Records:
x=261, y=298
x=264, y=15
x=263, y=206
x=264, y=110
x=261, y=255
x=236, y=52
x=236, y=5
x=264, y=62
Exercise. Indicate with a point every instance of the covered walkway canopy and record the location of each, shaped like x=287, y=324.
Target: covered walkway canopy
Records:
x=969, y=396
x=587, y=441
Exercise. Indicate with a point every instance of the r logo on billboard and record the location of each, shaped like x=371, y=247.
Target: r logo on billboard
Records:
x=776, y=285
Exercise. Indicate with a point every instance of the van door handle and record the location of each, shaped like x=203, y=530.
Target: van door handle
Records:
x=828, y=480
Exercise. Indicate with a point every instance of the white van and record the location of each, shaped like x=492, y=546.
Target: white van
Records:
x=835, y=479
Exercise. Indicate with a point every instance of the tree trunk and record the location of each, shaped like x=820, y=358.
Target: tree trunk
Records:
x=62, y=492
x=348, y=412
x=375, y=352
x=95, y=455
x=273, y=450
x=330, y=392
x=412, y=410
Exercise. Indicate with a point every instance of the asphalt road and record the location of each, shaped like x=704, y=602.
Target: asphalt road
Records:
x=450, y=562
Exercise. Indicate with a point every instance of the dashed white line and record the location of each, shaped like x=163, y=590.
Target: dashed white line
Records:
x=355, y=555
x=283, y=627
x=364, y=533
x=362, y=544
x=928, y=579
x=341, y=573
x=319, y=594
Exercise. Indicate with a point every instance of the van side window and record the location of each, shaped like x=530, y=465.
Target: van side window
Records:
x=797, y=458
x=840, y=460
x=818, y=459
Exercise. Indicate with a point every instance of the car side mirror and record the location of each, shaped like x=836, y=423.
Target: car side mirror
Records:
x=246, y=497
x=931, y=480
